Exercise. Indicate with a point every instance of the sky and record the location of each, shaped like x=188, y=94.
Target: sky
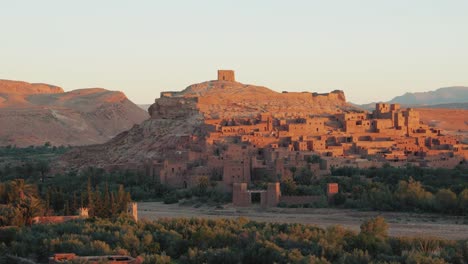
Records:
x=372, y=50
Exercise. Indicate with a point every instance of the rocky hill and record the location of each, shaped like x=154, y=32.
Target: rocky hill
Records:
x=32, y=114
x=176, y=116
x=221, y=99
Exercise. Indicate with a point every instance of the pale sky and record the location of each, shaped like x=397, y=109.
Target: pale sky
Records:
x=373, y=50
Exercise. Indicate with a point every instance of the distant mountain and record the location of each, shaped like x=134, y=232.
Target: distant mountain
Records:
x=448, y=95
x=144, y=106
x=32, y=114
x=455, y=97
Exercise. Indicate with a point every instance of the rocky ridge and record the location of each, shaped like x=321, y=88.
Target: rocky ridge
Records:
x=225, y=99
x=32, y=114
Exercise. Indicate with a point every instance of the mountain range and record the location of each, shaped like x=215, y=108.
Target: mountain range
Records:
x=448, y=97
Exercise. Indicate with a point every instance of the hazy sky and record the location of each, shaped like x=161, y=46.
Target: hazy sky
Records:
x=373, y=50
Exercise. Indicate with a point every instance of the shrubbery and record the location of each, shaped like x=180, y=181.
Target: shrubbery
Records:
x=404, y=189
x=227, y=241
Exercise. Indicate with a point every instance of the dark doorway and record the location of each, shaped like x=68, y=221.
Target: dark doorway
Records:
x=256, y=197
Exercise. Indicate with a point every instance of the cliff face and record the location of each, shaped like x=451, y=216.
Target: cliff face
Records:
x=18, y=87
x=31, y=114
x=178, y=116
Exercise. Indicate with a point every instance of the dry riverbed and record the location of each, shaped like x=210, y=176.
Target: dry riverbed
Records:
x=400, y=224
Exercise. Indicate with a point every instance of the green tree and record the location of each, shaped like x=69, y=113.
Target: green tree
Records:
x=43, y=167
x=304, y=176
x=202, y=185
x=288, y=187
x=446, y=200
x=25, y=199
x=376, y=227
x=90, y=198
x=18, y=190
x=463, y=201
x=411, y=194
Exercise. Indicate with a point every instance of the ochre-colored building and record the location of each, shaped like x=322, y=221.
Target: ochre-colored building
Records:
x=231, y=149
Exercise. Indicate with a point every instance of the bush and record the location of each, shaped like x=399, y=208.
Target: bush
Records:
x=446, y=200
x=171, y=199
x=339, y=199
x=227, y=241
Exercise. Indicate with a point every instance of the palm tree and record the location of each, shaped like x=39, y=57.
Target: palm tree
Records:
x=203, y=183
x=30, y=207
x=18, y=190
x=25, y=198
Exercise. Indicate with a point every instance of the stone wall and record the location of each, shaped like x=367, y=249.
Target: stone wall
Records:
x=240, y=196
x=173, y=107
x=243, y=197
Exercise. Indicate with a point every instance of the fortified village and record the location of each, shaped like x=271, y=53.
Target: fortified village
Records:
x=238, y=134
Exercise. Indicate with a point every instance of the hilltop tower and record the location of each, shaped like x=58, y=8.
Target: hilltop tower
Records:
x=226, y=75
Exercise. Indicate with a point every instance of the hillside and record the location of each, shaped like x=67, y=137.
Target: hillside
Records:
x=178, y=115
x=219, y=99
x=454, y=121
x=31, y=114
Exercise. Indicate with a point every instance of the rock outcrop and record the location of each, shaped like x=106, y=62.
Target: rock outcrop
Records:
x=32, y=114
x=222, y=99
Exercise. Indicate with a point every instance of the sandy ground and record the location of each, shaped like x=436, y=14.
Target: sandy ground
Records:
x=401, y=224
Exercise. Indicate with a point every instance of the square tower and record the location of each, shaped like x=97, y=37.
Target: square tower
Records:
x=226, y=75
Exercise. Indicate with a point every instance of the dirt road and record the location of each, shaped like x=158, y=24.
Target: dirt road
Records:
x=401, y=224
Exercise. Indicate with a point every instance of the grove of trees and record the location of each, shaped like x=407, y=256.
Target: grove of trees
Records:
x=226, y=241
